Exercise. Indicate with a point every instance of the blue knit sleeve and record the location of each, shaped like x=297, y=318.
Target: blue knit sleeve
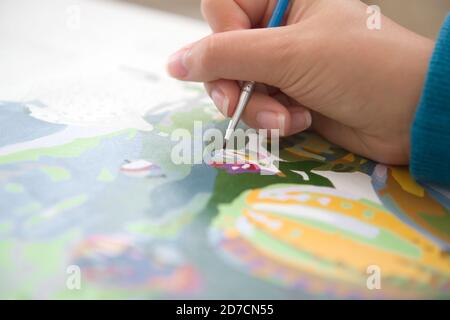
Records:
x=430, y=136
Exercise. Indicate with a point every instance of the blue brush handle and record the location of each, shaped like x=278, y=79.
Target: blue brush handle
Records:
x=278, y=14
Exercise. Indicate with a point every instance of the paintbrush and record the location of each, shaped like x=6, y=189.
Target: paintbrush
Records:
x=249, y=86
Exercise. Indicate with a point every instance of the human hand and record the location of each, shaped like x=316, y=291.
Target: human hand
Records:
x=358, y=88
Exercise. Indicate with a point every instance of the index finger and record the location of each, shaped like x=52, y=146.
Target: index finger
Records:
x=228, y=15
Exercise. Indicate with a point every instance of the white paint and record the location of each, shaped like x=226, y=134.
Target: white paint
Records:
x=272, y=224
x=354, y=183
x=300, y=193
x=324, y=201
x=163, y=134
x=65, y=136
x=264, y=160
x=343, y=222
x=244, y=226
x=137, y=165
x=303, y=174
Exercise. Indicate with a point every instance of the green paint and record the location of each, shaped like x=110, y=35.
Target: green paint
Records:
x=439, y=225
x=5, y=227
x=235, y=185
x=6, y=249
x=260, y=239
x=346, y=205
x=163, y=158
x=173, y=227
x=65, y=205
x=28, y=208
x=166, y=231
x=72, y=149
x=228, y=213
x=33, y=221
x=71, y=203
x=131, y=134
x=43, y=258
x=185, y=120
x=398, y=281
x=51, y=257
x=91, y=291
x=295, y=233
x=438, y=222
x=369, y=214
x=14, y=188
x=56, y=174
x=373, y=204
x=105, y=176
x=386, y=240
x=49, y=260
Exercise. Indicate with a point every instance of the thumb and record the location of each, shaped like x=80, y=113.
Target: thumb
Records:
x=262, y=55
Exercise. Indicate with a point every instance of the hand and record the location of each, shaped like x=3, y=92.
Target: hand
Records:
x=358, y=88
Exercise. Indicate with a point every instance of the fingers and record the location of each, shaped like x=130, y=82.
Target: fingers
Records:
x=263, y=111
x=262, y=55
x=227, y=15
x=340, y=134
x=225, y=95
x=300, y=121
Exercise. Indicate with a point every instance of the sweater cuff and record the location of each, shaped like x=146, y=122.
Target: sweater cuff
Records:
x=430, y=135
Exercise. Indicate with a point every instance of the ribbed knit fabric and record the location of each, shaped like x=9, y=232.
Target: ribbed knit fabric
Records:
x=430, y=136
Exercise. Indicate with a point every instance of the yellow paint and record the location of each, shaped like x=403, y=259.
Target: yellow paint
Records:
x=231, y=233
x=380, y=217
x=404, y=179
x=350, y=158
x=305, y=154
x=334, y=247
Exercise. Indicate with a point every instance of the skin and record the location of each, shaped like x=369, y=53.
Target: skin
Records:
x=325, y=70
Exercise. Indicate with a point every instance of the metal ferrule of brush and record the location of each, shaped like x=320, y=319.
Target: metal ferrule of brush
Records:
x=246, y=94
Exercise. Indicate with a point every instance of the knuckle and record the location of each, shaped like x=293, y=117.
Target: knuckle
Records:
x=297, y=55
x=286, y=58
x=206, y=6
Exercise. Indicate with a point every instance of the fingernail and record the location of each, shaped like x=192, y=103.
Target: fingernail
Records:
x=300, y=121
x=177, y=63
x=271, y=120
x=221, y=101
